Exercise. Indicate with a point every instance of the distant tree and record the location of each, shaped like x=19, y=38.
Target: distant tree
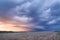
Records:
x=6, y=32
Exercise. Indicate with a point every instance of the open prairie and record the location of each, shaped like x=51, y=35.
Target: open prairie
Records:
x=30, y=36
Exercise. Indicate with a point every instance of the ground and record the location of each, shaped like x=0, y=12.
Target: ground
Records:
x=30, y=36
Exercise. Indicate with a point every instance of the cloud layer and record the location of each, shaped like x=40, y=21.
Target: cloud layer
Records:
x=40, y=14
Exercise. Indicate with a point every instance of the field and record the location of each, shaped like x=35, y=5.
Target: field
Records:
x=30, y=36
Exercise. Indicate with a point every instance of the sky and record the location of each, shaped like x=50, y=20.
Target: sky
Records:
x=29, y=15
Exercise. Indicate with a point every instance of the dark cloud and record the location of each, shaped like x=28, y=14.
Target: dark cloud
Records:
x=55, y=9
x=54, y=14
x=42, y=13
x=7, y=8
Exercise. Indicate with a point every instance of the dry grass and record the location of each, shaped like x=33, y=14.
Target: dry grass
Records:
x=30, y=36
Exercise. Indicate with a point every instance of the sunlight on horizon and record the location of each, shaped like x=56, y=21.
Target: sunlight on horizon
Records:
x=10, y=26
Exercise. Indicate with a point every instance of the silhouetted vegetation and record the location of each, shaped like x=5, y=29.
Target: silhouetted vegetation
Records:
x=12, y=31
x=57, y=32
x=6, y=32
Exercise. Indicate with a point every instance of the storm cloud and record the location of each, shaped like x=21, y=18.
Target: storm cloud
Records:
x=41, y=14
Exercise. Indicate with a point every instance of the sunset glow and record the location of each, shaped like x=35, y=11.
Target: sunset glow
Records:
x=13, y=26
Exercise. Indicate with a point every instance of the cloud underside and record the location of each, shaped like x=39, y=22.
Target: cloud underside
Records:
x=39, y=14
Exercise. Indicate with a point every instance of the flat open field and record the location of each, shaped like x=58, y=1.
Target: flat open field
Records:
x=30, y=36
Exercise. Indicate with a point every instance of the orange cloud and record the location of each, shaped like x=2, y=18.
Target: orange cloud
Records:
x=12, y=25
